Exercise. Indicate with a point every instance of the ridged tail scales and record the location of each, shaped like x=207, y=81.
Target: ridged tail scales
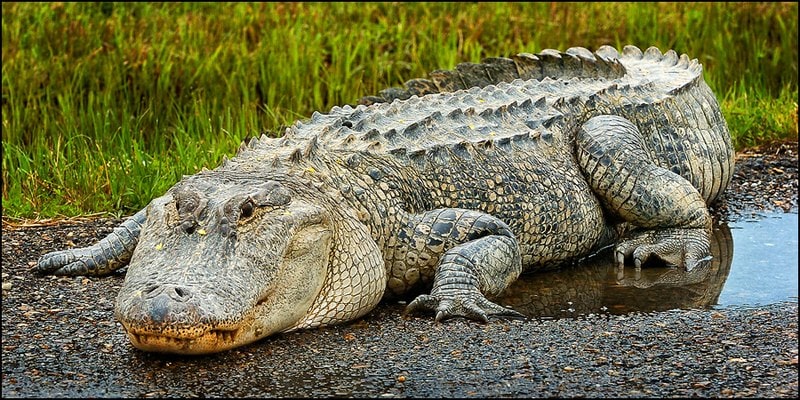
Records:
x=574, y=62
x=101, y=258
x=680, y=116
x=671, y=215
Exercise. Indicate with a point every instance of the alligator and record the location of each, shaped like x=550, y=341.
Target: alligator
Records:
x=444, y=191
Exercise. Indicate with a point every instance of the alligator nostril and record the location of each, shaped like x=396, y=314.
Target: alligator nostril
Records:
x=150, y=289
x=188, y=227
x=174, y=293
x=181, y=292
x=168, y=304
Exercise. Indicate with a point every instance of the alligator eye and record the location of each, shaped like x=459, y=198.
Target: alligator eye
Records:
x=247, y=209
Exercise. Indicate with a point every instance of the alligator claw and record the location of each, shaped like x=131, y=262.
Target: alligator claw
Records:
x=676, y=247
x=440, y=316
x=473, y=307
x=423, y=302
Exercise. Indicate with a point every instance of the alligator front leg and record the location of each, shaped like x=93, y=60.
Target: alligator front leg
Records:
x=672, y=220
x=103, y=257
x=479, y=257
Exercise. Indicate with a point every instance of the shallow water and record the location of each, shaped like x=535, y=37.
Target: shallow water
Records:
x=764, y=269
x=754, y=263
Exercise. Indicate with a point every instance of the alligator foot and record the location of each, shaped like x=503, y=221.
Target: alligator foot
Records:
x=467, y=304
x=676, y=247
x=72, y=262
x=101, y=258
x=483, y=260
x=466, y=273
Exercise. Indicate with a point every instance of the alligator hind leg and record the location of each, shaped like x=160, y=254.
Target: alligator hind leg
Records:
x=472, y=254
x=671, y=218
x=103, y=257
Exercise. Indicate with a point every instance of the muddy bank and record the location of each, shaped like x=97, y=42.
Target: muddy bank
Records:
x=60, y=337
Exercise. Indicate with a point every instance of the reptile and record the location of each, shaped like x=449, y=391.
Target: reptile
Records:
x=444, y=190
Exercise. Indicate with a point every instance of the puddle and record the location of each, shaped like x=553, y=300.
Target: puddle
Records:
x=762, y=270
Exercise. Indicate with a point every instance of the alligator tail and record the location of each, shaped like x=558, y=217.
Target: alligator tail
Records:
x=574, y=62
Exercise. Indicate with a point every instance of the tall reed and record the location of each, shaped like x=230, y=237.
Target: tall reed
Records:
x=106, y=105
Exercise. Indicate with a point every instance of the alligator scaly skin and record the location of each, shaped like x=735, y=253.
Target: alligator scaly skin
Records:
x=458, y=182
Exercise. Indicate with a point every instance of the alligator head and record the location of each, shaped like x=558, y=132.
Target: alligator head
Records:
x=220, y=264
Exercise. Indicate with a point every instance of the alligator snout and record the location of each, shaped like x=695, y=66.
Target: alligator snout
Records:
x=167, y=303
x=173, y=318
x=166, y=309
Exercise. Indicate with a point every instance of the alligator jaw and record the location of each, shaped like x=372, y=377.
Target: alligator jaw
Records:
x=199, y=340
x=210, y=342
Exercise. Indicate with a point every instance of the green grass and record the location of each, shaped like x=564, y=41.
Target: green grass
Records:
x=106, y=105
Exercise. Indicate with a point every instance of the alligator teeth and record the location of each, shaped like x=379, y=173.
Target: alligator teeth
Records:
x=144, y=339
x=220, y=335
x=226, y=336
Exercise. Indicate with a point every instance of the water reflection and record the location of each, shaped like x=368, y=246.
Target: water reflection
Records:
x=597, y=287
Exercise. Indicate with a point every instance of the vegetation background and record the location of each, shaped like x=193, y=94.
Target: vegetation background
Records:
x=106, y=105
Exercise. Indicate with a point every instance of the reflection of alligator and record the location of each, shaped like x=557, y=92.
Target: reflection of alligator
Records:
x=458, y=191
x=598, y=286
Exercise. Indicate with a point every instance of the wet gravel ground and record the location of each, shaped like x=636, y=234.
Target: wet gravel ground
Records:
x=60, y=338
